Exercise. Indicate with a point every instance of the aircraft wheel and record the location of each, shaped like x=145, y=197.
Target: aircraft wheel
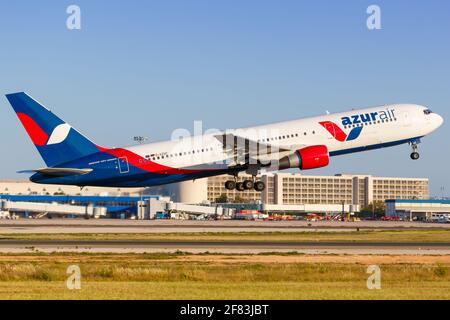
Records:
x=240, y=186
x=415, y=156
x=259, y=186
x=248, y=184
x=230, y=185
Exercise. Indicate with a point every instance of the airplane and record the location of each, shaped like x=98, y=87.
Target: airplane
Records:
x=308, y=143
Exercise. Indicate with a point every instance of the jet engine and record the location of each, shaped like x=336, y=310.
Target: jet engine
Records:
x=311, y=157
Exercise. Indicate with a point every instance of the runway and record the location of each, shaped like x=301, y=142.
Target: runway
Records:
x=8, y=228
x=177, y=226
x=140, y=246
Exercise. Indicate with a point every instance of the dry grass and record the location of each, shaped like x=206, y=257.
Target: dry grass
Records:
x=172, y=276
x=225, y=291
x=356, y=236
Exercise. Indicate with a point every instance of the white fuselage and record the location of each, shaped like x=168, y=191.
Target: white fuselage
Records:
x=379, y=127
x=305, y=144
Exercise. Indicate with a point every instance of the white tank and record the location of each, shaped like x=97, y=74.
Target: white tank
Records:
x=192, y=192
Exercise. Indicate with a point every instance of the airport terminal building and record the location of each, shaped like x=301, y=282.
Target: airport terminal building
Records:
x=282, y=189
x=295, y=188
x=285, y=193
x=22, y=187
x=422, y=210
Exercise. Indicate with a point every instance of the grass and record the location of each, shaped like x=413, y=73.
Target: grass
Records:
x=181, y=275
x=175, y=276
x=224, y=291
x=356, y=236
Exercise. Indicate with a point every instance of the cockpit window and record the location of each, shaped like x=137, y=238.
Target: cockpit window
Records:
x=427, y=111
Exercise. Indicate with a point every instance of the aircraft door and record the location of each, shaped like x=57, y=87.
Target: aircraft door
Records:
x=123, y=165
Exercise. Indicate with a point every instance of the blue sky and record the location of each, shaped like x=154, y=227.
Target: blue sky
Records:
x=148, y=67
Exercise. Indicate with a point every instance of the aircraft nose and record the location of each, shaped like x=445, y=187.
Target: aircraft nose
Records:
x=437, y=120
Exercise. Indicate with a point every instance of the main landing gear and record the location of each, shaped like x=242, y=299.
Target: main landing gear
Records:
x=414, y=154
x=245, y=185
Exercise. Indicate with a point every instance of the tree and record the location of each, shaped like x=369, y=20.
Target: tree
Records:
x=222, y=199
x=377, y=207
x=238, y=199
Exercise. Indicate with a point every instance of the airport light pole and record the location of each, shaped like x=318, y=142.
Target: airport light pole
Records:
x=140, y=139
x=373, y=210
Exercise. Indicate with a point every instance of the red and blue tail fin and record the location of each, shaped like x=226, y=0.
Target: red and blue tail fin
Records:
x=56, y=141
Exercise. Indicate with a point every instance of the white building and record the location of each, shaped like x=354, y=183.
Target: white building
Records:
x=295, y=188
x=20, y=187
x=281, y=189
x=416, y=209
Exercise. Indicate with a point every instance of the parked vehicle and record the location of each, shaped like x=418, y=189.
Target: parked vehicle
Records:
x=385, y=218
x=440, y=218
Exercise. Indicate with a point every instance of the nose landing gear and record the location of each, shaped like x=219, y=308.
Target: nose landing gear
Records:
x=414, y=154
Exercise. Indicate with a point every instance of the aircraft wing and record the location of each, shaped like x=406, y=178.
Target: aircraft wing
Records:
x=242, y=149
x=58, y=172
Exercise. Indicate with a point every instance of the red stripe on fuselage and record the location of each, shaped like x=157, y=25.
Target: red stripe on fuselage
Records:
x=37, y=135
x=334, y=130
x=144, y=164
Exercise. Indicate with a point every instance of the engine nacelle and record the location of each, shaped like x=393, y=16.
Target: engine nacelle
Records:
x=307, y=158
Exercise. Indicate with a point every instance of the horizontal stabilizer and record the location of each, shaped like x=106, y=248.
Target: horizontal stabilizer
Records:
x=59, y=172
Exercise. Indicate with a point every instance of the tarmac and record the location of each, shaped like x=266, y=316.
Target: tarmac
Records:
x=58, y=226
x=175, y=226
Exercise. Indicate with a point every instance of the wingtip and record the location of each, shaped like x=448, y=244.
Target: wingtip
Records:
x=26, y=171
